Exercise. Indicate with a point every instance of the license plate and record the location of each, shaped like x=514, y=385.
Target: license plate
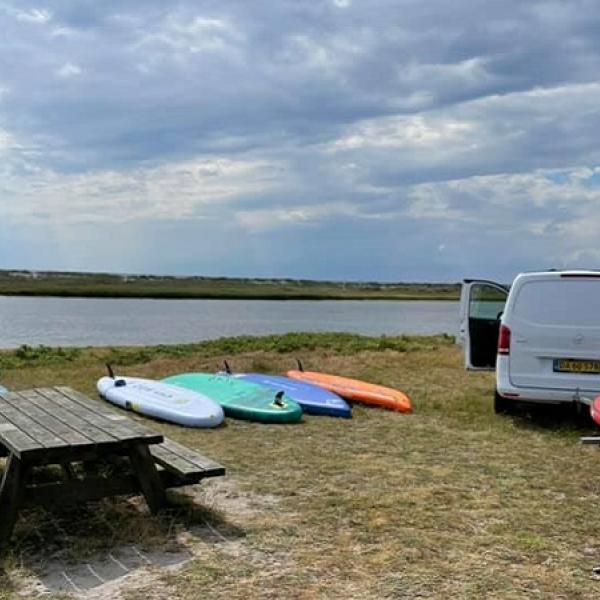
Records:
x=575, y=365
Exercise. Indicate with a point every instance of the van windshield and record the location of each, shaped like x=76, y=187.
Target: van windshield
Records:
x=559, y=302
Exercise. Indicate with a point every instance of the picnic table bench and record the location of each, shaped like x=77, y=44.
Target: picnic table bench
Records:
x=60, y=426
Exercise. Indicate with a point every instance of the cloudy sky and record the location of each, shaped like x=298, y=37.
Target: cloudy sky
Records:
x=337, y=139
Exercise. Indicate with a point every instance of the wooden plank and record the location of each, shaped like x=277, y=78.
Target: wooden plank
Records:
x=50, y=400
x=115, y=431
x=75, y=454
x=59, y=493
x=118, y=425
x=11, y=494
x=191, y=456
x=171, y=461
x=201, y=466
x=38, y=410
x=150, y=481
x=16, y=413
x=99, y=409
x=15, y=440
x=102, y=409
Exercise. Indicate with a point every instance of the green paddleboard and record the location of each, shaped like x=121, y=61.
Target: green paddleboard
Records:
x=241, y=399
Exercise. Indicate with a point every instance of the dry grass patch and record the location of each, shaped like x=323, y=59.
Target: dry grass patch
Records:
x=451, y=501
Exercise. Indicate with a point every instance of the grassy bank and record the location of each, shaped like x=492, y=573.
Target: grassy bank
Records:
x=26, y=283
x=449, y=502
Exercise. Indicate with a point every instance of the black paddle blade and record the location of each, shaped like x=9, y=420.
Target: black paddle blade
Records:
x=279, y=399
x=227, y=367
x=111, y=373
x=300, y=366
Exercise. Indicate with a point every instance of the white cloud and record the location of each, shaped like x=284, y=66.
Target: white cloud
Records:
x=466, y=72
x=9, y=145
x=488, y=122
x=327, y=55
x=35, y=15
x=558, y=205
x=405, y=132
x=5, y=141
x=429, y=202
x=181, y=35
x=192, y=189
x=64, y=32
x=260, y=220
x=68, y=70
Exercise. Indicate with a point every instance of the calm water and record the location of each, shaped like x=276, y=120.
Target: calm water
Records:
x=104, y=322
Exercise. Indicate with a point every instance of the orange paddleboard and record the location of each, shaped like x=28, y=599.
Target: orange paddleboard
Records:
x=357, y=391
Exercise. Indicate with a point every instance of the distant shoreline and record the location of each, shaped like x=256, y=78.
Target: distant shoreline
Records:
x=101, y=285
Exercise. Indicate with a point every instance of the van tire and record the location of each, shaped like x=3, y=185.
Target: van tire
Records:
x=502, y=406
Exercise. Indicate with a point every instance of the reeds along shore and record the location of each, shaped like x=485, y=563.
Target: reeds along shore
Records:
x=26, y=283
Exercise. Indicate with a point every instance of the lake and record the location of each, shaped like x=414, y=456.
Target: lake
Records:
x=110, y=322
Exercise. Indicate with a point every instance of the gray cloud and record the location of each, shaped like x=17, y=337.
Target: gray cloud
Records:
x=363, y=132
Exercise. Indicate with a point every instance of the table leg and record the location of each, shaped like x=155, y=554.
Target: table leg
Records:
x=69, y=471
x=148, y=477
x=11, y=492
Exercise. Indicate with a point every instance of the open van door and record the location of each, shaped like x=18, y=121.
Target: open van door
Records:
x=481, y=306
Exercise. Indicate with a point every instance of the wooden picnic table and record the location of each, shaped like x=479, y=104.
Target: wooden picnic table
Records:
x=60, y=426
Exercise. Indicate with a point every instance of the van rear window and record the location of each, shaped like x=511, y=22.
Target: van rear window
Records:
x=573, y=302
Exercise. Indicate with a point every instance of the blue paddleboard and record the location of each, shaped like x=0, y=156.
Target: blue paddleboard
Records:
x=313, y=399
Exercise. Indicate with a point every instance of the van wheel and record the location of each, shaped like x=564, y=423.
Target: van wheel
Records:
x=502, y=406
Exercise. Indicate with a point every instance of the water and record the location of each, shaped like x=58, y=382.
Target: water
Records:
x=111, y=322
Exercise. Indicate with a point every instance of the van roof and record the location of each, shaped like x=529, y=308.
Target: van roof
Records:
x=548, y=274
x=567, y=273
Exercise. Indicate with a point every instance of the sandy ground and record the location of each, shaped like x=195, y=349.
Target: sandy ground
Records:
x=110, y=575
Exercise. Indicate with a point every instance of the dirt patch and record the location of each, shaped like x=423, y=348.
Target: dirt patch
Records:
x=124, y=568
x=226, y=496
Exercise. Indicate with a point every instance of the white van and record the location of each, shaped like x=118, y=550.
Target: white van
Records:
x=542, y=336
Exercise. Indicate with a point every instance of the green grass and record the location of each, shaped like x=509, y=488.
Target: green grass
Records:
x=449, y=502
x=25, y=283
x=337, y=343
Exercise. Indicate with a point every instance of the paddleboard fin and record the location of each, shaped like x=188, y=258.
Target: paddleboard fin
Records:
x=279, y=399
x=227, y=367
x=300, y=366
x=111, y=373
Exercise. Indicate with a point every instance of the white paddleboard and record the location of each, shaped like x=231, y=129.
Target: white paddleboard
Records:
x=161, y=401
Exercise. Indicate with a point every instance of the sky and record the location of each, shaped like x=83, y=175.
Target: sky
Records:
x=329, y=139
